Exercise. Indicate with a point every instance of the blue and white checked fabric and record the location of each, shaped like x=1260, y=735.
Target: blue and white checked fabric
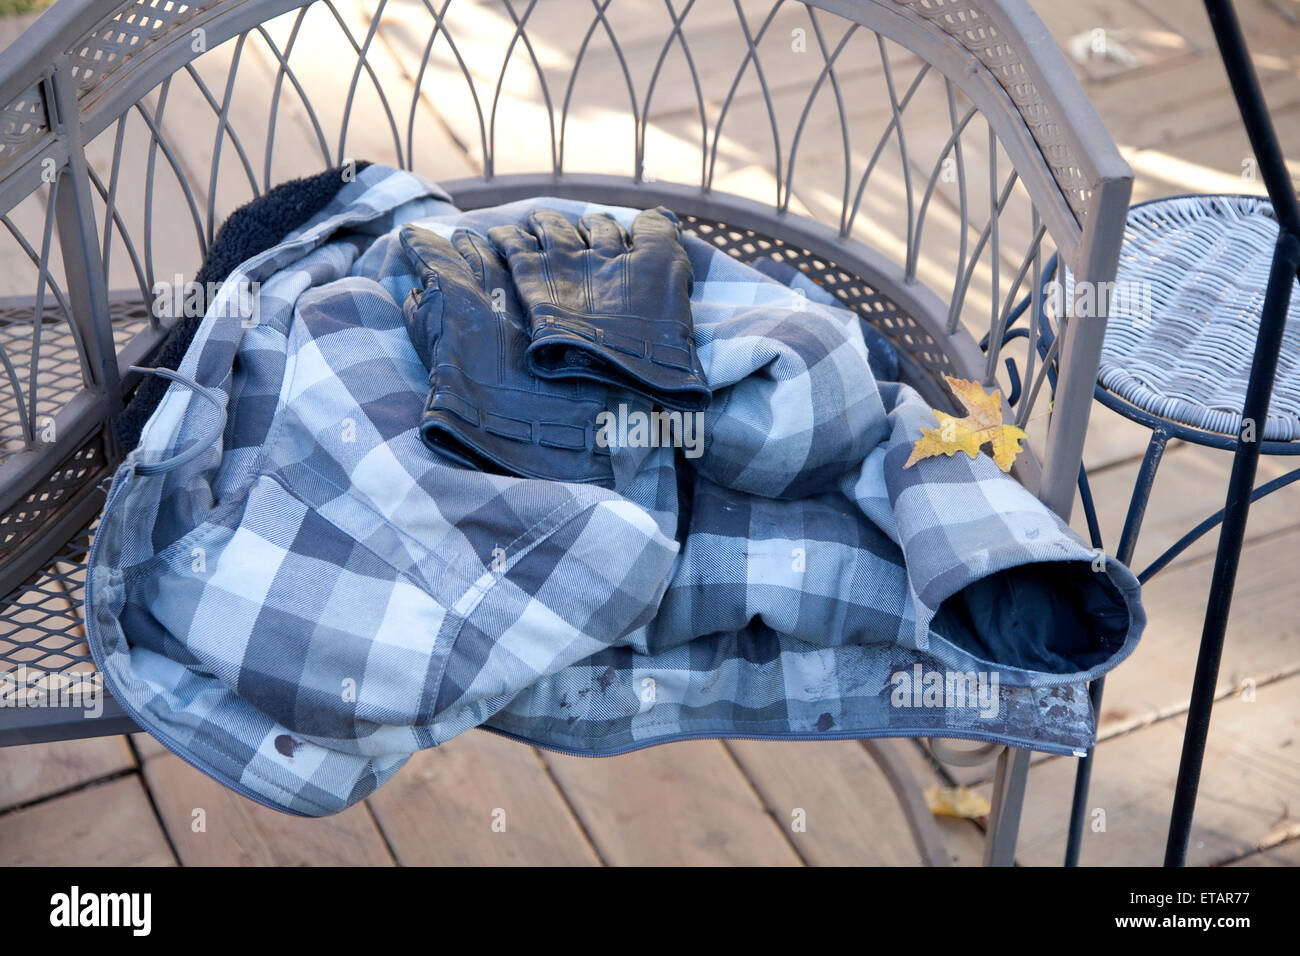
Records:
x=306, y=595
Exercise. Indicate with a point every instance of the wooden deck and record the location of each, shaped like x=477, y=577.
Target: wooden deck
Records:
x=126, y=801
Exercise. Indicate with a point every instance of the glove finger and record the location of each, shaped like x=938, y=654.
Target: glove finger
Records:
x=561, y=244
x=554, y=232
x=603, y=234
x=488, y=267
x=656, y=229
x=656, y=245
x=524, y=263
x=432, y=255
x=514, y=242
x=439, y=267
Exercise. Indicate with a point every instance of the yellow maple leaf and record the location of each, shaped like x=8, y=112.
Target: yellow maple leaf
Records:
x=956, y=802
x=981, y=425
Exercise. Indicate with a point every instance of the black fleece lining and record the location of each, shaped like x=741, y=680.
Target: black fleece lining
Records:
x=251, y=229
x=1058, y=617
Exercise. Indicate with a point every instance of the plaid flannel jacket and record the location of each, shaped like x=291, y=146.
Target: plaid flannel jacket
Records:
x=291, y=592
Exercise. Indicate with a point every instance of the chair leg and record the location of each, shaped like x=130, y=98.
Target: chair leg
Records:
x=1137, y=509
x=1082, y=781
x=925, y=833
x=1009, y=783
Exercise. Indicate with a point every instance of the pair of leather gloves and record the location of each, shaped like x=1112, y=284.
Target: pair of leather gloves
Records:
x=524, y=332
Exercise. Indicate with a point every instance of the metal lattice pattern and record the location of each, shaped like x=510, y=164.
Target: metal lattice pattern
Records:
x=917, y=346
x=849, y=127
x=61, y=363
x=22, y=122
x=106, y=48
x=922, y=170
x=29, y=515
x=94, y=58
x=103, y=50
x=41, y=628
x=964, y=20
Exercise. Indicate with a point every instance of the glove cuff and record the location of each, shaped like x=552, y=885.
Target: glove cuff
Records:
x=521, y=433
x=613, y=349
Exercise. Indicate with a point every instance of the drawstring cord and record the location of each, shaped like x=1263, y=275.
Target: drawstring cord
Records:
x=199, y=447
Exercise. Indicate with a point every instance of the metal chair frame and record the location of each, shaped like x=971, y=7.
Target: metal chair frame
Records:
x=95, y=72
x=1242, y=491
x=1163, y=431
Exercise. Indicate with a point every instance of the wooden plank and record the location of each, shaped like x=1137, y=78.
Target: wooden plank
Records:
x=1189, y=101
x=684, y=804
x=1136, y=41
x=1284, y=854
x=964, y=838
x=1249, y=781
x=1190, y=486
x=1268, y=33
x=1263, y=640
x=211, y=825
x=441, y=808
x=147, y=746
x=34, y=771
x=1221, y=163
x=831, y=800
x=108, y=825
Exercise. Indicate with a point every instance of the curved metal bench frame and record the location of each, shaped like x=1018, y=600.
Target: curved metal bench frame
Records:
x=87, y=65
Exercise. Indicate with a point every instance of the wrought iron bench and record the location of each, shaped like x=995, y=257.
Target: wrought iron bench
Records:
x=963, y=155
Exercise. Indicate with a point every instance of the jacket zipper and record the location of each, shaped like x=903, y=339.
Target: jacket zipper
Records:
x=1057, y=749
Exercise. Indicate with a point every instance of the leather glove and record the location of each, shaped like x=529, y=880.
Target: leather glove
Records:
x=608, y=309
x=486, y=410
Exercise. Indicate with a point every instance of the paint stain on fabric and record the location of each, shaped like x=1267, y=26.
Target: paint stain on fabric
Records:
x=825, y=722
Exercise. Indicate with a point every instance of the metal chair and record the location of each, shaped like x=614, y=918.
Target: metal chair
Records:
x=94, y=167
x=1201, y=346
x=1183, y=316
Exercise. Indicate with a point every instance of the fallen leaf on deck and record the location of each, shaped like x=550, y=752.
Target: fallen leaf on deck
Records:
x=956, y=802
x=982, y=425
